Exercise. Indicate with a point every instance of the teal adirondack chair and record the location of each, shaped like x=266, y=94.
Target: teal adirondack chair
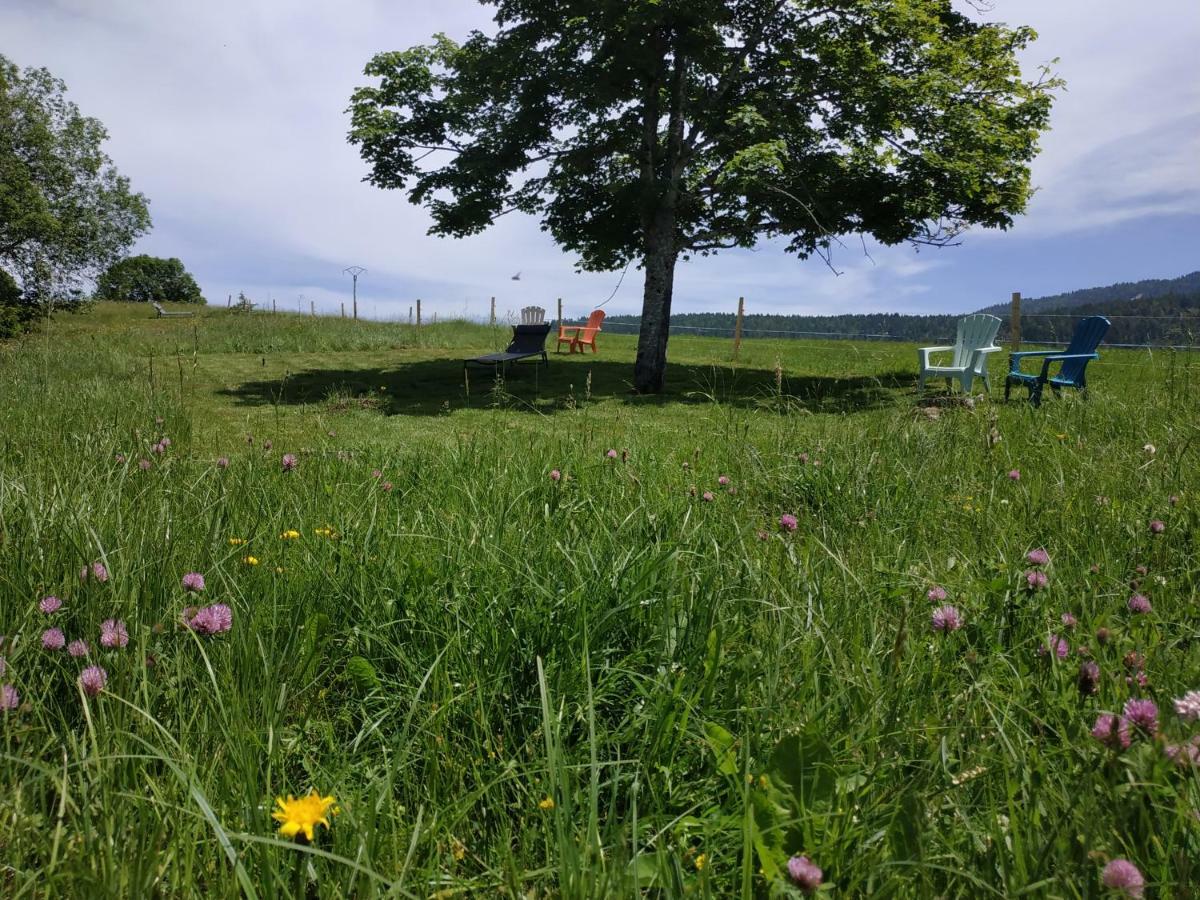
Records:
x=976, y=339
x=1073, y=370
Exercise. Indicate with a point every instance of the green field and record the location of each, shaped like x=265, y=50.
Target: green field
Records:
x=598, y=686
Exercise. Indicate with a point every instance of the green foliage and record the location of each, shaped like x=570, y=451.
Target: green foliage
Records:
x=15, y=313
x=642, y=131
x=65, y=212
x=148, y=279
x=698, y=703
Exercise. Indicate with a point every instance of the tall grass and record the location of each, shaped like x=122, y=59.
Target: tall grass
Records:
x=600, y=686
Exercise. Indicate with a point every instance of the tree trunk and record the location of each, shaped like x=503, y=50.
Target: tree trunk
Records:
x=650, y=368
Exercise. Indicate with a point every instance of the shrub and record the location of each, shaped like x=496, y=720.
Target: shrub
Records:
x=148, y=279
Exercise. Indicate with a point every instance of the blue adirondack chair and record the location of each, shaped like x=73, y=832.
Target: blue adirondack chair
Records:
x=1073, y=370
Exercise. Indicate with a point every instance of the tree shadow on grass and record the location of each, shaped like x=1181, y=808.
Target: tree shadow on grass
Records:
x=433, y=387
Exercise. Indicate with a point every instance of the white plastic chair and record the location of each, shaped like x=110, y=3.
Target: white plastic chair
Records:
x=976, y=339
x=534, y=315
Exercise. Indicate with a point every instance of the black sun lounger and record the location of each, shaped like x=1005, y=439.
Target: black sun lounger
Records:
x=528, y=341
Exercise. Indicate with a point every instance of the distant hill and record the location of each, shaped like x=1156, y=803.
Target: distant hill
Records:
x=1184, y=285
x=1162, y=311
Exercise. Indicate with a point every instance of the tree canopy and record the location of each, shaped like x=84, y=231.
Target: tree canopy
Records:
x=643, y=130
x=148, y=279
x=65, y=211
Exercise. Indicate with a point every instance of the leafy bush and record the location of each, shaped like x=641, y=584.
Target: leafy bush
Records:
x=15, y=312
x=148, y=279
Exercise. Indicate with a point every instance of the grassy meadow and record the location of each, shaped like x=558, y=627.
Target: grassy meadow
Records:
x=630, y=680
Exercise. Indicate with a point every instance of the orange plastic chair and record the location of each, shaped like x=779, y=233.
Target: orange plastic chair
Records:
x=580, y=336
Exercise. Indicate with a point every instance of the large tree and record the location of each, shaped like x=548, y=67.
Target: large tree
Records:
x=650, y=129
x=65, y=212
x=148, y=279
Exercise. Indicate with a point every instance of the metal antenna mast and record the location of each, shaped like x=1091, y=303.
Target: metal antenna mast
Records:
x=354, y=272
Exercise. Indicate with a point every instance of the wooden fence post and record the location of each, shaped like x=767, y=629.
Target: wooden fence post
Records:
x=229, y=301
x=1014, y=321
x=343, y=309
x=273, y=309
x=312, y=307
x=492, y=318
x=560, y=310
x=418, y=312
x=737, y=328
x=410, y=319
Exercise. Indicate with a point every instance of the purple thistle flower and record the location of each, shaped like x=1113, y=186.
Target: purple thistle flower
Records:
x=1068, y=620
x=288, y=462
x=805, y=874
x=1112, y=731
x=555, y=475
x=707, y=496
x=193, y=582
x=78, y=648
x=1142, y=714
x=1089, y=678
x=1122, y=875
x=1036, y=579
x=936, y=594
x=50, y=605
x=1187, y=707
x=611, y=454
x=222, y=462
x=53, y=639
x=144, y=464
x=788, y=522
x=9, y=698
x=1139, y=604
x=1038, y=557
x=92, y=680
x=113, y=633
x=1157, y=526
x=1014, y=475
x=946, y=619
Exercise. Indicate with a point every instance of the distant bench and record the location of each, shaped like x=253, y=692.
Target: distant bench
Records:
x=163, y=314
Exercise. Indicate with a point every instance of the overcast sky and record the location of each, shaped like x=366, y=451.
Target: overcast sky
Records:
x=230, y=116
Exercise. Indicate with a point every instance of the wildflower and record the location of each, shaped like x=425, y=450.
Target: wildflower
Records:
x=222, y=462
x=1173, y=499
x=1094, y=568
x=701, y=861
x=1122, y=875
x=1057, y=647
x=936, y=594
x=290, y=535
x=788, y=522
x=555, y=475
x=288, y=462
x=805, y=874
x=376, y=474
x=113, y=633
x=386, y=487
x=707, y=496
x=1149, y=449
x=1142, y=714
x=1068, y=620
x=546, y=803
x=215, y=619
x=235, y=541
x=1187, y=707
x=803, y=457
x=158, y=448
x=762, y=535
x=723, y=480
x=267, y=445
x=144, y=464
x=50, y=605
x=193, y=582
x=1139, y=603
x=1038, y=557
x=92, y=680
x=1183, y=755
x=78, y=648
x=946, y=619
x=1112, y=731
x=165, y=441
x=1089, y=678
x=1103, y=635
x=1157, y=526
x=52, y=639
x=250, y=560
x=119, y=458
x=1036, y=579
x=96, y=571
x=300, y=816
x=1014, y=475
x=9, y=698
x=611, y=454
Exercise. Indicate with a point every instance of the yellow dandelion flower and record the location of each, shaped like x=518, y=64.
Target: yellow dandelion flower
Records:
x=250, y=560
x=300, y=816
x=546, y=803
x=279, y=570
x=234, y=541
x=701, y=861
x=458, y=848
x=290, y=535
